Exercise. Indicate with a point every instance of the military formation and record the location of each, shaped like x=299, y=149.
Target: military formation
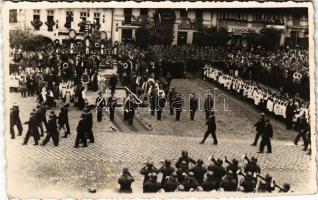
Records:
x=191, y=175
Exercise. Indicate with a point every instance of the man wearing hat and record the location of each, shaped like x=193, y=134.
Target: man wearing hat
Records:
x=211, y=129
x=194, y=104
x=15, y=120
x=52, y=130
x=148, y=169
x=184, y=157
x=266, y=137
x=32, y=129
x=252, y=166
x=152, y=186
x=63, y=121
x=199, y=170
x=125, y=181
x=218, y=171
x=260, y=124
x=190, y=182
x=171, y=183
x=234, y=167
x=265, y=185
x=178, y=105
x=166, y=170
x=112, y=103
x=171, y=96
x=100, y=106
x=81, y=130
x=208, y=105
x=89, y=122
x=209, y=183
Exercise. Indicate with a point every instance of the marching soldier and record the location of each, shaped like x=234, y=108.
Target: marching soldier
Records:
x=100, y=105
x=32, y=129
x=166, y=171
x=63, y=121
x=112, y=103
x=171, y=96
x=208, y=106
x=52, y=130
x=184, y=157
x=130, y=109
x=194, y=104
x=81, y=130
x=199, y=170
x=303, y=128
x=211, y=129
x=125, y=181
x=15, y=120
x=148, y=169
x=266, y=137
x=259, y=128
x=152, y=186
x=161, y=102
x=89, y=121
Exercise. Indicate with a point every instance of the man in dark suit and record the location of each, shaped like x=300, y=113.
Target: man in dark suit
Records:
x=52, y=130
x=266, y=137
x=193, y=106
x=211, y=129
x=89, y=122
x=15, y=121
x=100, y=105
x=81, y=130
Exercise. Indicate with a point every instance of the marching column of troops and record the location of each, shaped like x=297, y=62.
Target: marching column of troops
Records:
x=189, y=175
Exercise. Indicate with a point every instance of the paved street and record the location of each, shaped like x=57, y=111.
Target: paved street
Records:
x=65, y=171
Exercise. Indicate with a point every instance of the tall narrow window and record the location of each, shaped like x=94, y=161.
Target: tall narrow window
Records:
x=13, y=16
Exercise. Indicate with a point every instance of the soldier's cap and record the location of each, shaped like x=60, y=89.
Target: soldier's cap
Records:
x=268, y=177
x=253, y=159
x=184, y=152
x=219, y=161
x=234, y=161
x=200, y=161
x=209, y=173
x=125, y=170
x=149, y=163
x=167, y=161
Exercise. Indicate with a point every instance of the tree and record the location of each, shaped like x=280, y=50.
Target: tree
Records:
x=27, y=41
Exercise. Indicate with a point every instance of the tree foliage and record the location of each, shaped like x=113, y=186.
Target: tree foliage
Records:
x=27, y=41
x=212, y=37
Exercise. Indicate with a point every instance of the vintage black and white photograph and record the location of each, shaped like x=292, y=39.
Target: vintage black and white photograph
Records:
x=159, y=100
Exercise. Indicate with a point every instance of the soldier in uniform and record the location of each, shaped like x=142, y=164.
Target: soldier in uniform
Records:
x=148, y=169
x=125, y=181
x=81, y=130
x=166, y=171
x=178, y=106
x=100, y=105
x=161, y=102
x=112, y=103
x=290, y=111
x=190, y=183
x=248, y=183
x=63, y=121
x=52, y=130
x=152, y=186
x=32, y=129
x=209, y=183
x=252, y=166
x=211, y=129
x=113, y=83
x=130, y=110
x=199, y=170
x=171, y=96
x=208, y=105
x=230, y=182
x=89, y=121
x=265, y=185
x=182, y=172
x=171, y=184
x=234, y=167
x=303, y=128
x=194, y=104
x=259, y=128
x=184, y=157
x=266, y=137
x=218, y=171
x=15, y=120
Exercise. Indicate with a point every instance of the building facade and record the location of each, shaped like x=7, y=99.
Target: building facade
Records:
x=121, y=23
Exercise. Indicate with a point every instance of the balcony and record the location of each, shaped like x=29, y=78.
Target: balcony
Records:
x=141, y=20
x=188, y=24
